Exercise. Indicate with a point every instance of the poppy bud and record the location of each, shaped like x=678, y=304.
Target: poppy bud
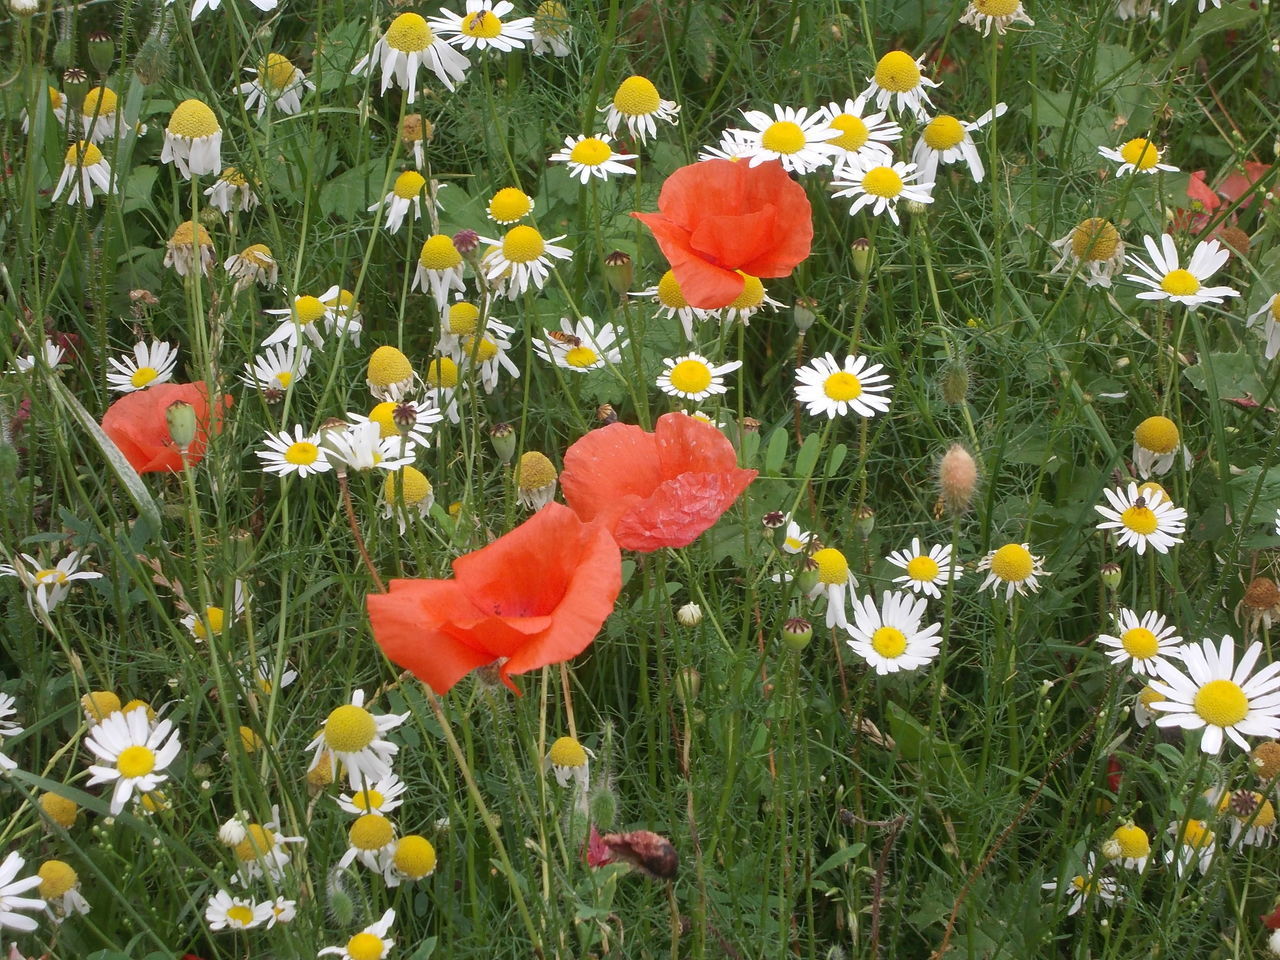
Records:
x=864, y=521
x=690, y=615
x=342, y=906
x=955, y=383
x=861, y=251
x=181, y=418
x=102, y=52
x=1111, y=575
x=957, y=478
x=688, y=684
x=75, y=84
x=805, y=313
x=618, y=271
x=503, y=437
x=796, y=633
x=602, y=805
x=62, y=51
x=151, y=64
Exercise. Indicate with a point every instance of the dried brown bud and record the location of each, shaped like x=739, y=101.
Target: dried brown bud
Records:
x=957, y=479
x=646, y=851
x=606, y=414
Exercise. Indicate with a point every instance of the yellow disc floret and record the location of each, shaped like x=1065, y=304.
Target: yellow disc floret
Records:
x=60, y=810
x=257, y=843
x=510, y=204
x=1180, y=283
x=853, y=132
x=523, y=245
x=135, y=761
x=99, y=704
x=439, y=253
x=833, y=568
x=590, y=152
x=408, y=482
x=636, y=97
x=923, y=569
x=1157, y=434
x=192, y=120
x=752, y=294
x=1221, y=703
x=882, y=182
x=1140, y=643
x=1133, y=841
x=567, y=752
x=943, y=132
x=534, y=471
x=1141, y=153
x=889, y=642
x=349, y=728
x=56, y=878
x=409, y=33
x=409, y=185
x=100, y=102
x=371, y=831
x=482, y=25
x=442, y=372
x=897, y=72
x=670, y=294
x=1012, y=563
x=276, y=73
x=1095, y=239
x=690, y=376
x=842, y=386
x=783, y=137
x=83, y=154
x=388, y=366
x=415, y=857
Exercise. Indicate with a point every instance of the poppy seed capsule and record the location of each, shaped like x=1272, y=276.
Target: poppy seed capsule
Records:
x=1111, y=575
x=864, y=521
x=805, y=312
x=503, y=438
x=861, y=251
x=796, y=633
x=181, y=418
x=618, y=271
x=102, y=51
x=957, y=478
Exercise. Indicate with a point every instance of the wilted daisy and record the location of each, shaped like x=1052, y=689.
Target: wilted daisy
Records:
x=636, y=102
x=407, y=495
x=862, y=135
x=232, y=191
x=225, y=912
x=482, y=26
x=343, y=317
x=51, y=353
x=570, y=762
x=302, y=318
x=410, y=420
x=825, y=386
x=1194, y=843
x=298, y=453
x=490, y=354
x=1128, y=847
x=985, y=14
x=522, y=257
x=580, y=347
x=277, y=82
x=253, y=264
x=352, y=736
x=150, y=364
x=412, y=858
x=1156, y=445
x=535, y=480
x=1142, y=705
x=370, y=839
x=1142, y=517
x=879, y=187
x=99, y=114
x=134, y=754
x=193, y=139
x=1219, y=697
x=361, y=446
x=200, y=6
x=1271, y=325
x=671, y=301
x=278, y=368
x=407, y=45
x=60, y=888
x=261, y=852
x=214, y=619
x=1084, y=886
x=440, y=267
x=262, y=677
x=84, y=167
x=12, y=903
x=1014, y=567
x=47, y=586
x=1137, y=156
x=898, y=80
x=589, y=157
x=1168, y=281
x=890, y=638
x=800, y=141
x=551, y=29
x=189, y=246
x=415, y=130
x=405, y=195
x=1251, y=817
x=835, y=580
x=925, y=572
x=945, y=140
x=1142, y=642
x=1094, y=248
x=371, y=943
x=693, y=377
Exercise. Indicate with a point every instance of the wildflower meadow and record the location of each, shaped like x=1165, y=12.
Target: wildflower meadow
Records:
x=639, y=479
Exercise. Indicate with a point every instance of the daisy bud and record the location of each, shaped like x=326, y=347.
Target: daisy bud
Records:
x=690, y=615
x=864, y=521
x=955, y=383
x=861, y=250
x=102, y=52
x=796, y=633
x=617, y=271
x=1111, y=575
x=603, y=805
x=1266, y=760
x=1111, y=849
x=342, y=908
x=804, y=313
x=62, y=51
x=466, y=241
x=688, y=684
x=957, y=478
x=181, y=418
x=414, y=127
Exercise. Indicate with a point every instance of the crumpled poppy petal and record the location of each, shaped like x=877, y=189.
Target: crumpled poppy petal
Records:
x=686, y=444
x=680, y=510
x=415, y=624
x=704, y=284
x=734, y=238
x=609, y=469
x=137, y=425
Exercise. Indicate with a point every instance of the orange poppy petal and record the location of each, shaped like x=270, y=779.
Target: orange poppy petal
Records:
x=680, y=510
x=735, y=239
x=136, y=423
x=416, y=625
x=607, y=470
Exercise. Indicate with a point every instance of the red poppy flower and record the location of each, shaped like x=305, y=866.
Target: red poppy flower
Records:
x=720, y=216
x=660, y=489
x=136, y=423
x=535, y=596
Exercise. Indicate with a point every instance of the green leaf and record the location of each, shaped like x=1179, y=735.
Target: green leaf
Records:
x=1236, y=375
x=807, y=458
x=839, y=858
x=776, y=452
x=350, y=194
x=836, y=459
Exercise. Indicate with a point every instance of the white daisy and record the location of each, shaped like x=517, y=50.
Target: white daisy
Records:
x=1156, y=445
x=570, y=762
x=580, y=347
x=361, y=446
x=1137, y=156
x=407, y=495
x=278, y=368
x=861, y=135
x=263, y=679
x=1220, y=699
x=794, y=539
x=150, y=364
x=1143, y=643
x=380, y=797
x=1142, y=704
x=692, y=376
x=1142, y=517
x=100, y=115
x=8, y=729
x=890, y=638
x=282, y=911
x=1093, y=247
x=277, y=82
x=51, y=353
x=800, y=141
x=482, y=27
x=261, y=851
x=825, y=386
x=407, y=45
x=1015, y=567
x=509, y=205
x=411, y=858
x=11, y=902
x=300, y=452
x=137, y=752
x=225, y=912
x=520, y=258
x=589, y=157
x=1271, y=326
x=489, y=353
x=1084, y=886
x=462, y=321
x=193, y=140
x=412, y=421
x=253, y=264
x=440, y=267
x=200, y=6
x=371, y=943
x=302, y=318
x=1168, y=281
x=189, y=248
x=733, y=145
x=405, y=196
x=1128, y=847
x=671, y=301
x=1194, y=844
x=985, y=14
x=47, y=586
x=551, y=29
x=232, y=191
x=878, y=186
x=637, y=103
x=343, y=316
x=925, y=572
x=835, y=580
x=370, y=840
x=214, y=619
x=352, y=737
x=898, y=80
x=84, y=167
x=945, y=140
x=60, y=888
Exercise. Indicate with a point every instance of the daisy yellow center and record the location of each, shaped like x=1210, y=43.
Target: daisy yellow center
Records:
x=590, y=152
x=100, y=102
x=415, y=856
x=259, y=254
x=365, y=946
x=752, y=294
x=83, y=154
x=408, y=185
x=250, y=740
x=1084, y=886
x=690, y=376
x=1012, y=563
x=670, y=295
x=1133, y=841
x=483, y=349
x=442, y=372
x=842, y=386
x=1179, y=283
x=387, y=365
x=510, y=204
x=192, y=119
x=302, y=453
x=367, y=799
x=136, y=761
x=233, y=176
x=143, y=375
x=50, y=575
x=1221, y=703
x=191, y=234
x=349, y=729
x=923, y=569
x=534, y=471
x=897, y=72
x=99, y=704
x=783, y=137
x=567, y=752
x=882, y=182
x=241, y=914
x=996, y=8
x=523, y=245
x=214, y=618
x=384, y=416
x=59, y=809
x=463, y=318
x=833, y=568
x=1196, y=834
x=284, y=378
x=1095, y=239
x=1141, y=520
x=482, y=24
x=1140, y=643
x=55, y=99
x=1266, y=815
x=853, y=132
x=943, y=133
x=581, y=357
x=258, y=842
x=56, y=878
x=1149, y=695
x=409, y=33
x=636, y=97
x=410, y=483
x=307, y=310
x=1157, y=434
x=276, y=72
x=371, y=831
x=439, y=253
x=1141, y=153
x=889, y=642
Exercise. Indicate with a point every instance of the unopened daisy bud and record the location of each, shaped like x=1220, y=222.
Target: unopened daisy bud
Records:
x=414, y=128
x=807, y=578
x=688, y=684
x=602, y=804
x=796, y=633
x=535, y=478
x=690, y=615
x=75, y=84
x=1266, y=760
x=503, y=438
x=466, y=241
x=1111, y=575
x=955, y=383
x=1112, y=849
x=151, y=63
x=864, y=521
x=804, y=313
x=749, y=425
x=232, y=833
x=59, y=809
x=618, y=272
x=861, y=251
x=102, y=52
x=957, y=478
x=181, y=418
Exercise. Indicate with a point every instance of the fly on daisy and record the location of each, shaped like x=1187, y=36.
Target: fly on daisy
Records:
x=1143, y=517
x=801, y=142
x=408, y=44
x=898, y=80
x=890, y=638
x=522, y=257
x=483, y=28
x=134, y=754
x=84, y=168
x=1142, y=642
x=1137, y=156
x=580, y=347
x=637, y=103
x=589, y=157
x=298, y=453
x=693, y=377
x=1014, y=567
x=825, y=386
x=945, y=140
x=925, y=572
x=1169, y=281
x=879, y=186
x=151, y=363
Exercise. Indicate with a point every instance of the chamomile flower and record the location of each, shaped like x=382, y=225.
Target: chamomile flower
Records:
x=352, y=736
x=343, y=317
x=151, y=363
x=861, y=134
x=254, y=264
x=277, y=82
x=298, y=453
x=589, y=157
x=1168, y=281
x=8, y=729
x=898, y=80
x=925, y=572
x=405, y=196
x=890, y=638
x=985, y=14
x=60, y=889
x=491, y=354
x=278, y=368
x=361, y=446
x=944, y=140
x=189, y=248
x=197, y=8
x=463, y=320
x=1251, y=817
x=1128, y=847
x=879, y=186
x=799, y=141
x=84, y=167
x=225, y=912
x=521, y=258
x=232, y=191
x=262, y=677
x=370, y=839
x=440, y=267
x=825, y=386
x=214, y=619
x=671, y=301
x=12, y=903
x=1014, y=567
x=100, y=114
x=794, y=539
x=57, y=106
x=302, y=318
x=1156, y=445
x=407, y=495
x=282, y=911
x=261, y=851
x=637, y=103
x=835, y=580
x=414, y=131
x=410, y=420
x=749, y=302
x=371, y=943
x=693, y=377
x=1142, y=642
x=1194, y=844
x=441, y=381
x=535, y=478
x=1137, y=156
x=580, y=347
x=51, y=353
x=570, y=762
x=1271, y=325
x=408, y=44
x=1218, y=696
x=1084, y=886
x=482, y=27
x=134, y=754
x=732, y=146
x=1093, y=248
x=411, y=859
x=193, y=140
x=1142, y=705
x=1142, y=518
x=509, y=205
x=551, y=29
x=47, y=586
